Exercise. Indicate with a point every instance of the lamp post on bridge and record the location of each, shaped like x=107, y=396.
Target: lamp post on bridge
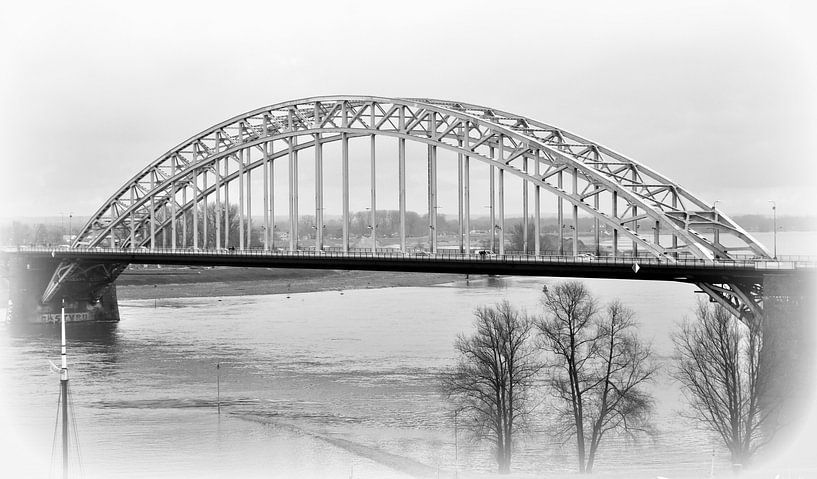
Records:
x=374, y=241
x=492, y=230
x=70, y=215
x=318, y=246
x=562, y=239
x=433, y=229
x=561, y=247
x=372, y=226
x=774, y=227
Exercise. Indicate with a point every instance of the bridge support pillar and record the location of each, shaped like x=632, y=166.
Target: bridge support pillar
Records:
x=89, y=298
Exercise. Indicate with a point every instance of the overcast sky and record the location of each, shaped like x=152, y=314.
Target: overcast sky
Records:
x=719, y=96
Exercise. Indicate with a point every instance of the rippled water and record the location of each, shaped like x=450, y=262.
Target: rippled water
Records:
x=329, y=384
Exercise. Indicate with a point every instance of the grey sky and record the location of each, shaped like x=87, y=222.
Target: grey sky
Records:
x=718, y=96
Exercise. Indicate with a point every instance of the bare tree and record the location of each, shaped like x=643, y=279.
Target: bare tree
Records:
x=596, y=368
x=493, y=376
x=718, y=362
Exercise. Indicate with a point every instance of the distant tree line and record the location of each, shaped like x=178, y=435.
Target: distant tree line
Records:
x=548, y=241
x=765, y=222
x=18, y=232
x=22, y=233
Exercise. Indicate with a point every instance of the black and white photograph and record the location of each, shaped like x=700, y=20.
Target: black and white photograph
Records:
x=404, y=240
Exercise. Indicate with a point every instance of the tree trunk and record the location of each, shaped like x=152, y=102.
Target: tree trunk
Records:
x=591, y=458
x=507, y=452
x=580, y=447
x=739, y=458
x=579, y=421
x=500, y=454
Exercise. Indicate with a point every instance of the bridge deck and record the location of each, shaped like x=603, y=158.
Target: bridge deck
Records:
x=683, y=270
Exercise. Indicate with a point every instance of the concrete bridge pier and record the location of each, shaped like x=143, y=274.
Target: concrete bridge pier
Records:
x=88, y=296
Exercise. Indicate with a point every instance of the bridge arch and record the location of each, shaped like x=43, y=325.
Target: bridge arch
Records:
x=159, y=196
x=618, y=193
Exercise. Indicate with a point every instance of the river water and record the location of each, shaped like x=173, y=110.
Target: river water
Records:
x=328, y=384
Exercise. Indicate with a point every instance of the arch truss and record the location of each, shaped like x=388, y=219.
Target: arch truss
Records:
x=183, y=198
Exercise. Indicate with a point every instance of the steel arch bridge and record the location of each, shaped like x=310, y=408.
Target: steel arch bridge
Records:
x=169, y=197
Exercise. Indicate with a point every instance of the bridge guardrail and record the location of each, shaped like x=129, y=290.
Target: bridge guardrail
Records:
x=782, y=262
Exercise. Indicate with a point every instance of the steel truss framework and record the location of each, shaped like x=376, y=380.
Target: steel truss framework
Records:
x=619, y=193
x=95, y=276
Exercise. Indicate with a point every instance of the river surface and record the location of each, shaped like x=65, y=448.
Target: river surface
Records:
x=328, y=384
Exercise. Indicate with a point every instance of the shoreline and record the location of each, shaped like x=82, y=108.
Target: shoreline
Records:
x=194, y=283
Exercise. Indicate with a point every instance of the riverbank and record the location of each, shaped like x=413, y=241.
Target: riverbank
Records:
x=223, y=281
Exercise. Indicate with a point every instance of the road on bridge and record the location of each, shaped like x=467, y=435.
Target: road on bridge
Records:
x=587, y=266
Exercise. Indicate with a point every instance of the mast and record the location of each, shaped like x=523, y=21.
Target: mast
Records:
x=64, y=394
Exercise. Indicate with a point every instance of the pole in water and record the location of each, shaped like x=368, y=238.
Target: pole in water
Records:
x=218, y=387
x=64, y=394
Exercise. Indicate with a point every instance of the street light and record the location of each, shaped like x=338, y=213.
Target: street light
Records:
x=372, y=228
x=774, y=226
x=492, y=229
x=70, y=215
x=562, y=237
x=315, y=227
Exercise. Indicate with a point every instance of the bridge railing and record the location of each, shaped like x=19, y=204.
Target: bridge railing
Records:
x=782, y=262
